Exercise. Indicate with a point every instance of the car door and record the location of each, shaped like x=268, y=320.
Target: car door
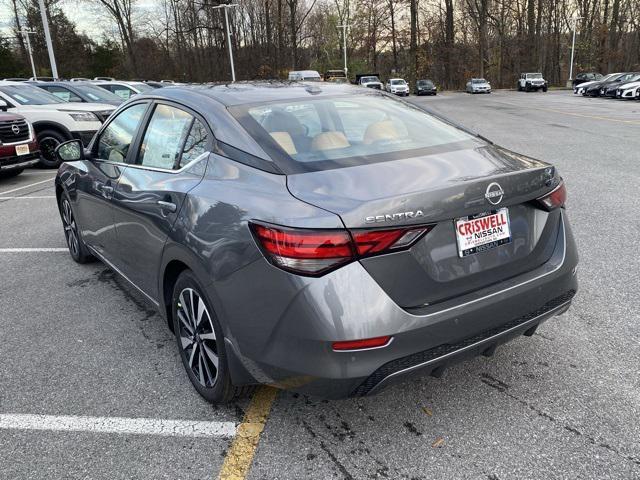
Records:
x=169, y=162
x=103, y=169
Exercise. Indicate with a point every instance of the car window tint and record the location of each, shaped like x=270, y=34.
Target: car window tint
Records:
x=164, y=138
x=115, y=140
x=196, y=143
x=125, y=93
x=64, y=94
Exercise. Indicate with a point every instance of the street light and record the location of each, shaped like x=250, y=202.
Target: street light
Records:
x=573, y=45
x=226, y=7
x=25, y=34
x=47, y=37
x=344, y=46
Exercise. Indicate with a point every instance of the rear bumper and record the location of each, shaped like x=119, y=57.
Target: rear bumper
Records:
x=290, y=347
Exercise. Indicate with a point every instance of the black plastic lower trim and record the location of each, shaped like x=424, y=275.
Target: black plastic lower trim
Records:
x=434, y=353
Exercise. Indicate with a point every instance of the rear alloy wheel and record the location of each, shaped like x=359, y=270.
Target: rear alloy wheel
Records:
x=201, y=342
x=49, y=141
x=77, y=249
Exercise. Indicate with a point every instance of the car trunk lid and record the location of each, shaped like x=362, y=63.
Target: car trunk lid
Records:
x=437, y=189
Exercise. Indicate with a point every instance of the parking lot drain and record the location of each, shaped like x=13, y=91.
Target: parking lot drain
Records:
x=240, y=456
x=117, y=425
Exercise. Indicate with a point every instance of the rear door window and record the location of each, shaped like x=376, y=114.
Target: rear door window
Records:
x=165, y=138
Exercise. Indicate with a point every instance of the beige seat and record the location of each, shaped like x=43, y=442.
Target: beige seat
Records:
x=384, y=130
x=329, y=141
x=285, y=141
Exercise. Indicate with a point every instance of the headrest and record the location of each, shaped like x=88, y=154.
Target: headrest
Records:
x=329, y=141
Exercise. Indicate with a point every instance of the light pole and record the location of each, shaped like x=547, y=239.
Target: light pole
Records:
x=573, y=46
x=344, y=46
x=26, y=34
x=47, y=37
x=226, y=7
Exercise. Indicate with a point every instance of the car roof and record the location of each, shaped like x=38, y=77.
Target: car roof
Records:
x=246, y=93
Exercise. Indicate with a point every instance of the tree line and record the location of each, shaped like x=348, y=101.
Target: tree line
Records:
x=448, y=41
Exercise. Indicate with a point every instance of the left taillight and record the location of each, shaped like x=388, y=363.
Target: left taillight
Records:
x=315, y=252
x=554, y=199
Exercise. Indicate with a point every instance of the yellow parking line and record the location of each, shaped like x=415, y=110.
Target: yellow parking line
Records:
x=240, y=456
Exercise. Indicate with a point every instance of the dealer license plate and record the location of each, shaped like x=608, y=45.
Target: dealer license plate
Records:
x=483, y=231
x=22, y=149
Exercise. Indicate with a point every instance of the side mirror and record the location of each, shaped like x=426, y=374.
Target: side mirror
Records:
x=70, y=151
x=3, y=106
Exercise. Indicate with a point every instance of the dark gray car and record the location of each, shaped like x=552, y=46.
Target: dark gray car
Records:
x=320, y=238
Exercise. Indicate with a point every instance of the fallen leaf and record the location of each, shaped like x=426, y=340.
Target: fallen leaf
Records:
x=428, y=411
x=438, y=443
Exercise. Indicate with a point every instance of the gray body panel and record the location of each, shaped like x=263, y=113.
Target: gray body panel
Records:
x=278, y=325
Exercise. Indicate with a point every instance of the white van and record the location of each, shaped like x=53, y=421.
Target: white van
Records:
x=304, y=76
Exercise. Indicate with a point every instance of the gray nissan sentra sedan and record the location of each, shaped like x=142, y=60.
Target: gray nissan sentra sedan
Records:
x=320, y=238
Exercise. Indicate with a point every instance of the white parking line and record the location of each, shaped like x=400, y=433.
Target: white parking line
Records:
x=28, y=198
x=32, y=250
x=118, y=425
x=26, y=186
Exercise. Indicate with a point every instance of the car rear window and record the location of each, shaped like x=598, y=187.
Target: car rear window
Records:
x=324, y=133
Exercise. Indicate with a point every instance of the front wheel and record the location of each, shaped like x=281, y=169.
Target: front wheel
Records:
x=544, y=89
x=77, y=248
x=49, y=141
x=201, y=342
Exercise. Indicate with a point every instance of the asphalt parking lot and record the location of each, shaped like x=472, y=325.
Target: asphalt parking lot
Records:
x=78, y=342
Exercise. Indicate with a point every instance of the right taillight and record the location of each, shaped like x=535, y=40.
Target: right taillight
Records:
x=554, y=199
x=315, y=252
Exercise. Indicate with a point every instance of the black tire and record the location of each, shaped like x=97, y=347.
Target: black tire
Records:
x=77, y=248
x=11, y=173
x=192, y=340
x=48, y=140
x=527, y=88
x=544, y=89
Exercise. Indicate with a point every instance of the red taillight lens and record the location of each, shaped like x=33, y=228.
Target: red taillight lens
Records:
x=306, y=251
x=556, y=198
x=361, y=344
x=370, y=242
x=314, y=252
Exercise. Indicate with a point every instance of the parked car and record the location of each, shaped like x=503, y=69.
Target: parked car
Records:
x=597, y=88
x=397, y=86
x=343, y=80
x=628, y=90
x=18, y=144
x=124, y=90
x=610, y=90
x=369, y=80
x=79, y=91
x=79, y=79
x=580, y=89
x=426, y=87
x=584, y=78
x=154, y=84
x=304, y=76
x=230, y=210
x=531, y=82
x=53, y=120
x=478, y=85
x=106, y=79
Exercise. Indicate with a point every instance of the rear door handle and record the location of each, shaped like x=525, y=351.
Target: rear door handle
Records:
x=172, y=207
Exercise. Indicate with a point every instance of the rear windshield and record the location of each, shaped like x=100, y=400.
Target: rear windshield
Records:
x=324, y=133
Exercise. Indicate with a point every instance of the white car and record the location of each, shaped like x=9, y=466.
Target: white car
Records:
x=531, y=81
x=581, y=88
x=53, y=120
x=397, y=86
x=369, y=81
x=125, y=90
x=478, y=85
x=628, y=90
